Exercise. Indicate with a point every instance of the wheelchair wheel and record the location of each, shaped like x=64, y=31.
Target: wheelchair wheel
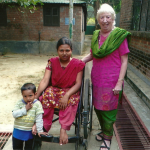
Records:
x=86, y=109
x=77, y=130
x=77, y=145
x=91, y=109
x=37, y=146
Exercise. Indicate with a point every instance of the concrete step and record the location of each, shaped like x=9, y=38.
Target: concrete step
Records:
x=137, y=90
x=139, y=83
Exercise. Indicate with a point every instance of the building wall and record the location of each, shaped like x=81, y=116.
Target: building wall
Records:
x=140, y=52
x=25, y=31
x=126, y=14
x=139, y=55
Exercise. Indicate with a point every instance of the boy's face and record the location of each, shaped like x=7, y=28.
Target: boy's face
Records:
x=28, y=96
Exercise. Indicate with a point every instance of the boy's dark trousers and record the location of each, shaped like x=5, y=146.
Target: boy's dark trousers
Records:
x=18, y=144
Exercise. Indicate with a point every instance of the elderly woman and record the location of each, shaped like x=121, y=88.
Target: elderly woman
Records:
x=109, y=52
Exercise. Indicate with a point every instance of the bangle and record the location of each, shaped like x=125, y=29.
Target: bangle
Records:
x=120, y=79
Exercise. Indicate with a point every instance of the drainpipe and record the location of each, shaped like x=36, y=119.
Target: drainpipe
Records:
x=71, y=19
x=39, y=41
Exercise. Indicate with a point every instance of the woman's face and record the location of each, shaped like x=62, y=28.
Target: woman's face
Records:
x=64, y=52
x=106, y=22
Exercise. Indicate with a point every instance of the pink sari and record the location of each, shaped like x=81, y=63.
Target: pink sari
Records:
x=61, y=81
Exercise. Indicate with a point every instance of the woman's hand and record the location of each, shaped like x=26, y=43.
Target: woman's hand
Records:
x=63, y=102
x=124, y=61
x=118, y=87
x=87, y=58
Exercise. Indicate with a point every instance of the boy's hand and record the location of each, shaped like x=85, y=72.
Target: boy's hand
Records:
x=29, y=106
x=43, y=133
x=34, y=131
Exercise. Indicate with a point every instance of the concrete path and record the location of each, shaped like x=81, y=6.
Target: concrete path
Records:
x=136, y=101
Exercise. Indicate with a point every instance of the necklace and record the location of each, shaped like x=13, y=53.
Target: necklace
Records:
x=64, y=66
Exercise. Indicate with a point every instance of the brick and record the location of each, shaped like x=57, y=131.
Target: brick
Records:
x=31, y=24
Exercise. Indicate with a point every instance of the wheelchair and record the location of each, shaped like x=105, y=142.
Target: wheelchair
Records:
x=83, y=119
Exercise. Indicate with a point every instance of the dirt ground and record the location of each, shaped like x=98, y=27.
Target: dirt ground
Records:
x=15, y=70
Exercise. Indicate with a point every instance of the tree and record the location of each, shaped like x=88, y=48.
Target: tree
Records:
x=96, y=5
x=30, y=4
x=116, y=4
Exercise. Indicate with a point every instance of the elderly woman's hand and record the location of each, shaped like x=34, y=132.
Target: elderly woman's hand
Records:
x=118, y=87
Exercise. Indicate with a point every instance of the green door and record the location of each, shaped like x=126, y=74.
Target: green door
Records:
x=89, y=30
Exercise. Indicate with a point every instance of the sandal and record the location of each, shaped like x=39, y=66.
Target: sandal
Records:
x=99, y=134
x=105, y=145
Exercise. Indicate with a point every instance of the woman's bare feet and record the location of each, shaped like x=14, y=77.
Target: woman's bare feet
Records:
x=63, y=137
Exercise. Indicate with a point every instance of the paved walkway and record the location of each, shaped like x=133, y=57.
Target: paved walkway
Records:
x=136, y=101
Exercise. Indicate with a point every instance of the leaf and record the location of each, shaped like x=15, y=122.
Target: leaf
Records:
x=31, y=11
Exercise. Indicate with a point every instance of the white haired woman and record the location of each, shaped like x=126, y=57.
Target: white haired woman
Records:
x=109, y=52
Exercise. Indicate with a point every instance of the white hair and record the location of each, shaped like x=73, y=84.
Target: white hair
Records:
x=106, y=8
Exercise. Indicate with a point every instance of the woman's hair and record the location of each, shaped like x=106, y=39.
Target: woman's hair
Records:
x=28, y=86
x=106, y=8
x=63, y=41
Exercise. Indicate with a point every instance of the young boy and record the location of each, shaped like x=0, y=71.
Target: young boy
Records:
x=26, y=112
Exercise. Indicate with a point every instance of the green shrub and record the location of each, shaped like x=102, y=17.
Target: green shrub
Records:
x=91, y=21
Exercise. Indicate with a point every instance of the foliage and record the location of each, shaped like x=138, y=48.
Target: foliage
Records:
x=90, y=8
x=91, y=21
x=29, y=4
x=116, y=4
x=89, y=2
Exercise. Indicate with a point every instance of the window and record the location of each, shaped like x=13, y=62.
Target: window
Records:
x=141, y=15
x=51, y=15
x=3, y=16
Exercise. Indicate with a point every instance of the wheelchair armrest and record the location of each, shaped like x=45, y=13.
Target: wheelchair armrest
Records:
x=48, y=138
x=70, y=139
x=73, y=139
